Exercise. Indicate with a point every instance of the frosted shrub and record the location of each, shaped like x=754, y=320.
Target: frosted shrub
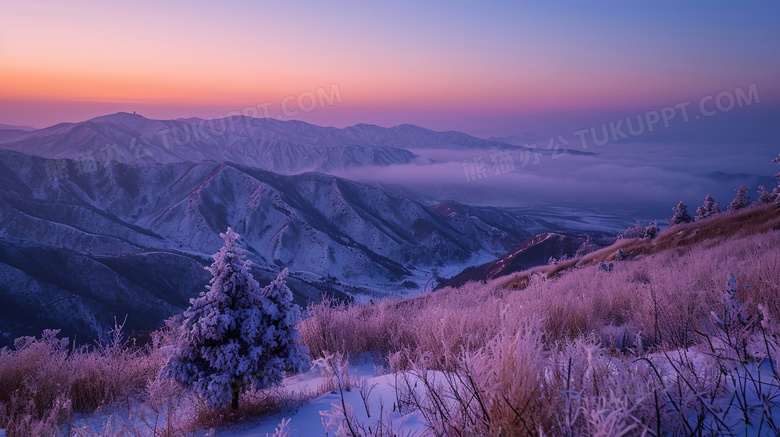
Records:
x=587, y=247
x=738, y=329
x=741, y=200
x=507, y=375
x=237, y=335
x=254, y=403
x=766, y=196
x=283, y=429
x=33, y=385
x=652, y=230
x=335, y=370
x=340, y=420
x=680, y=215
x=431, y=323
x=43, y=381
x=732, y=314
x=638, y=231
x=708, y=209
x=603, y=395
x=519, y=385
x=497, y=390
x=774, y=196
x=338, y=328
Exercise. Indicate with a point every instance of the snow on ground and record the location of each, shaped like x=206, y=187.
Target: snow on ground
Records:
x=323, y=415
x=757, y=391
x=750, y=398
x=750, y=390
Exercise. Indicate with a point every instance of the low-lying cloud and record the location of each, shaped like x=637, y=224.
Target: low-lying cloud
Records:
x=638, y=178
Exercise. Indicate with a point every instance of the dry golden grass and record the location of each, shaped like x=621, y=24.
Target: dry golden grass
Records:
x=709, y=232
x=557, y=353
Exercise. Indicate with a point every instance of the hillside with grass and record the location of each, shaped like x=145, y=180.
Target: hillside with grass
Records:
x=678, y=337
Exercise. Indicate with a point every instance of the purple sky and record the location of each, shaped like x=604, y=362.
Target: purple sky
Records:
x=488, y=69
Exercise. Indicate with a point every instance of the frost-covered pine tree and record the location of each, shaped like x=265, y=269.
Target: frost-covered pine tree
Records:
x=283, y=316
x=680, y=215
x=236, y=337
x=652, y=230
x=775, y=194
x=766, y=196
x=742, y=199
x=777, y=160
x=708, y=208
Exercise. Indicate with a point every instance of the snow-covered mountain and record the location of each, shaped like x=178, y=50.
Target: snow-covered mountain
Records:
x=287, y=147
x=133, y=238
x=532, y=252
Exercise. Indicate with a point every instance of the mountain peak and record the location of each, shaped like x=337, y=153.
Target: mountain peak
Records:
x=411, y=127
x=120, y=117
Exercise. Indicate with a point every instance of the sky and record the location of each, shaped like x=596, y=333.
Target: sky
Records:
x=485, y=68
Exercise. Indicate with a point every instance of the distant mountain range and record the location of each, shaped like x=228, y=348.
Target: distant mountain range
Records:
x=286, y=147
x=77, y=250
x=119, y=214
x=14, y=127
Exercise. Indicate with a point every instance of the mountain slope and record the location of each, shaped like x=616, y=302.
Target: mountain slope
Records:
x=134, y=238
x=532, y=252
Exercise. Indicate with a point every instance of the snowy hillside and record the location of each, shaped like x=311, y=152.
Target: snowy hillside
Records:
x=678, y=337
x=133, y=239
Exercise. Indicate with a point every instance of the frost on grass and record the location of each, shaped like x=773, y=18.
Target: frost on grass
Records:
x=660, y=346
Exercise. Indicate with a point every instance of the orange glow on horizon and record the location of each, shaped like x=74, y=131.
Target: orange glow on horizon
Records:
x=463, y=60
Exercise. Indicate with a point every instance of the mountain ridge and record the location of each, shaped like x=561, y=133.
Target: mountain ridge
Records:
x=288, y=147
x=133, y=230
